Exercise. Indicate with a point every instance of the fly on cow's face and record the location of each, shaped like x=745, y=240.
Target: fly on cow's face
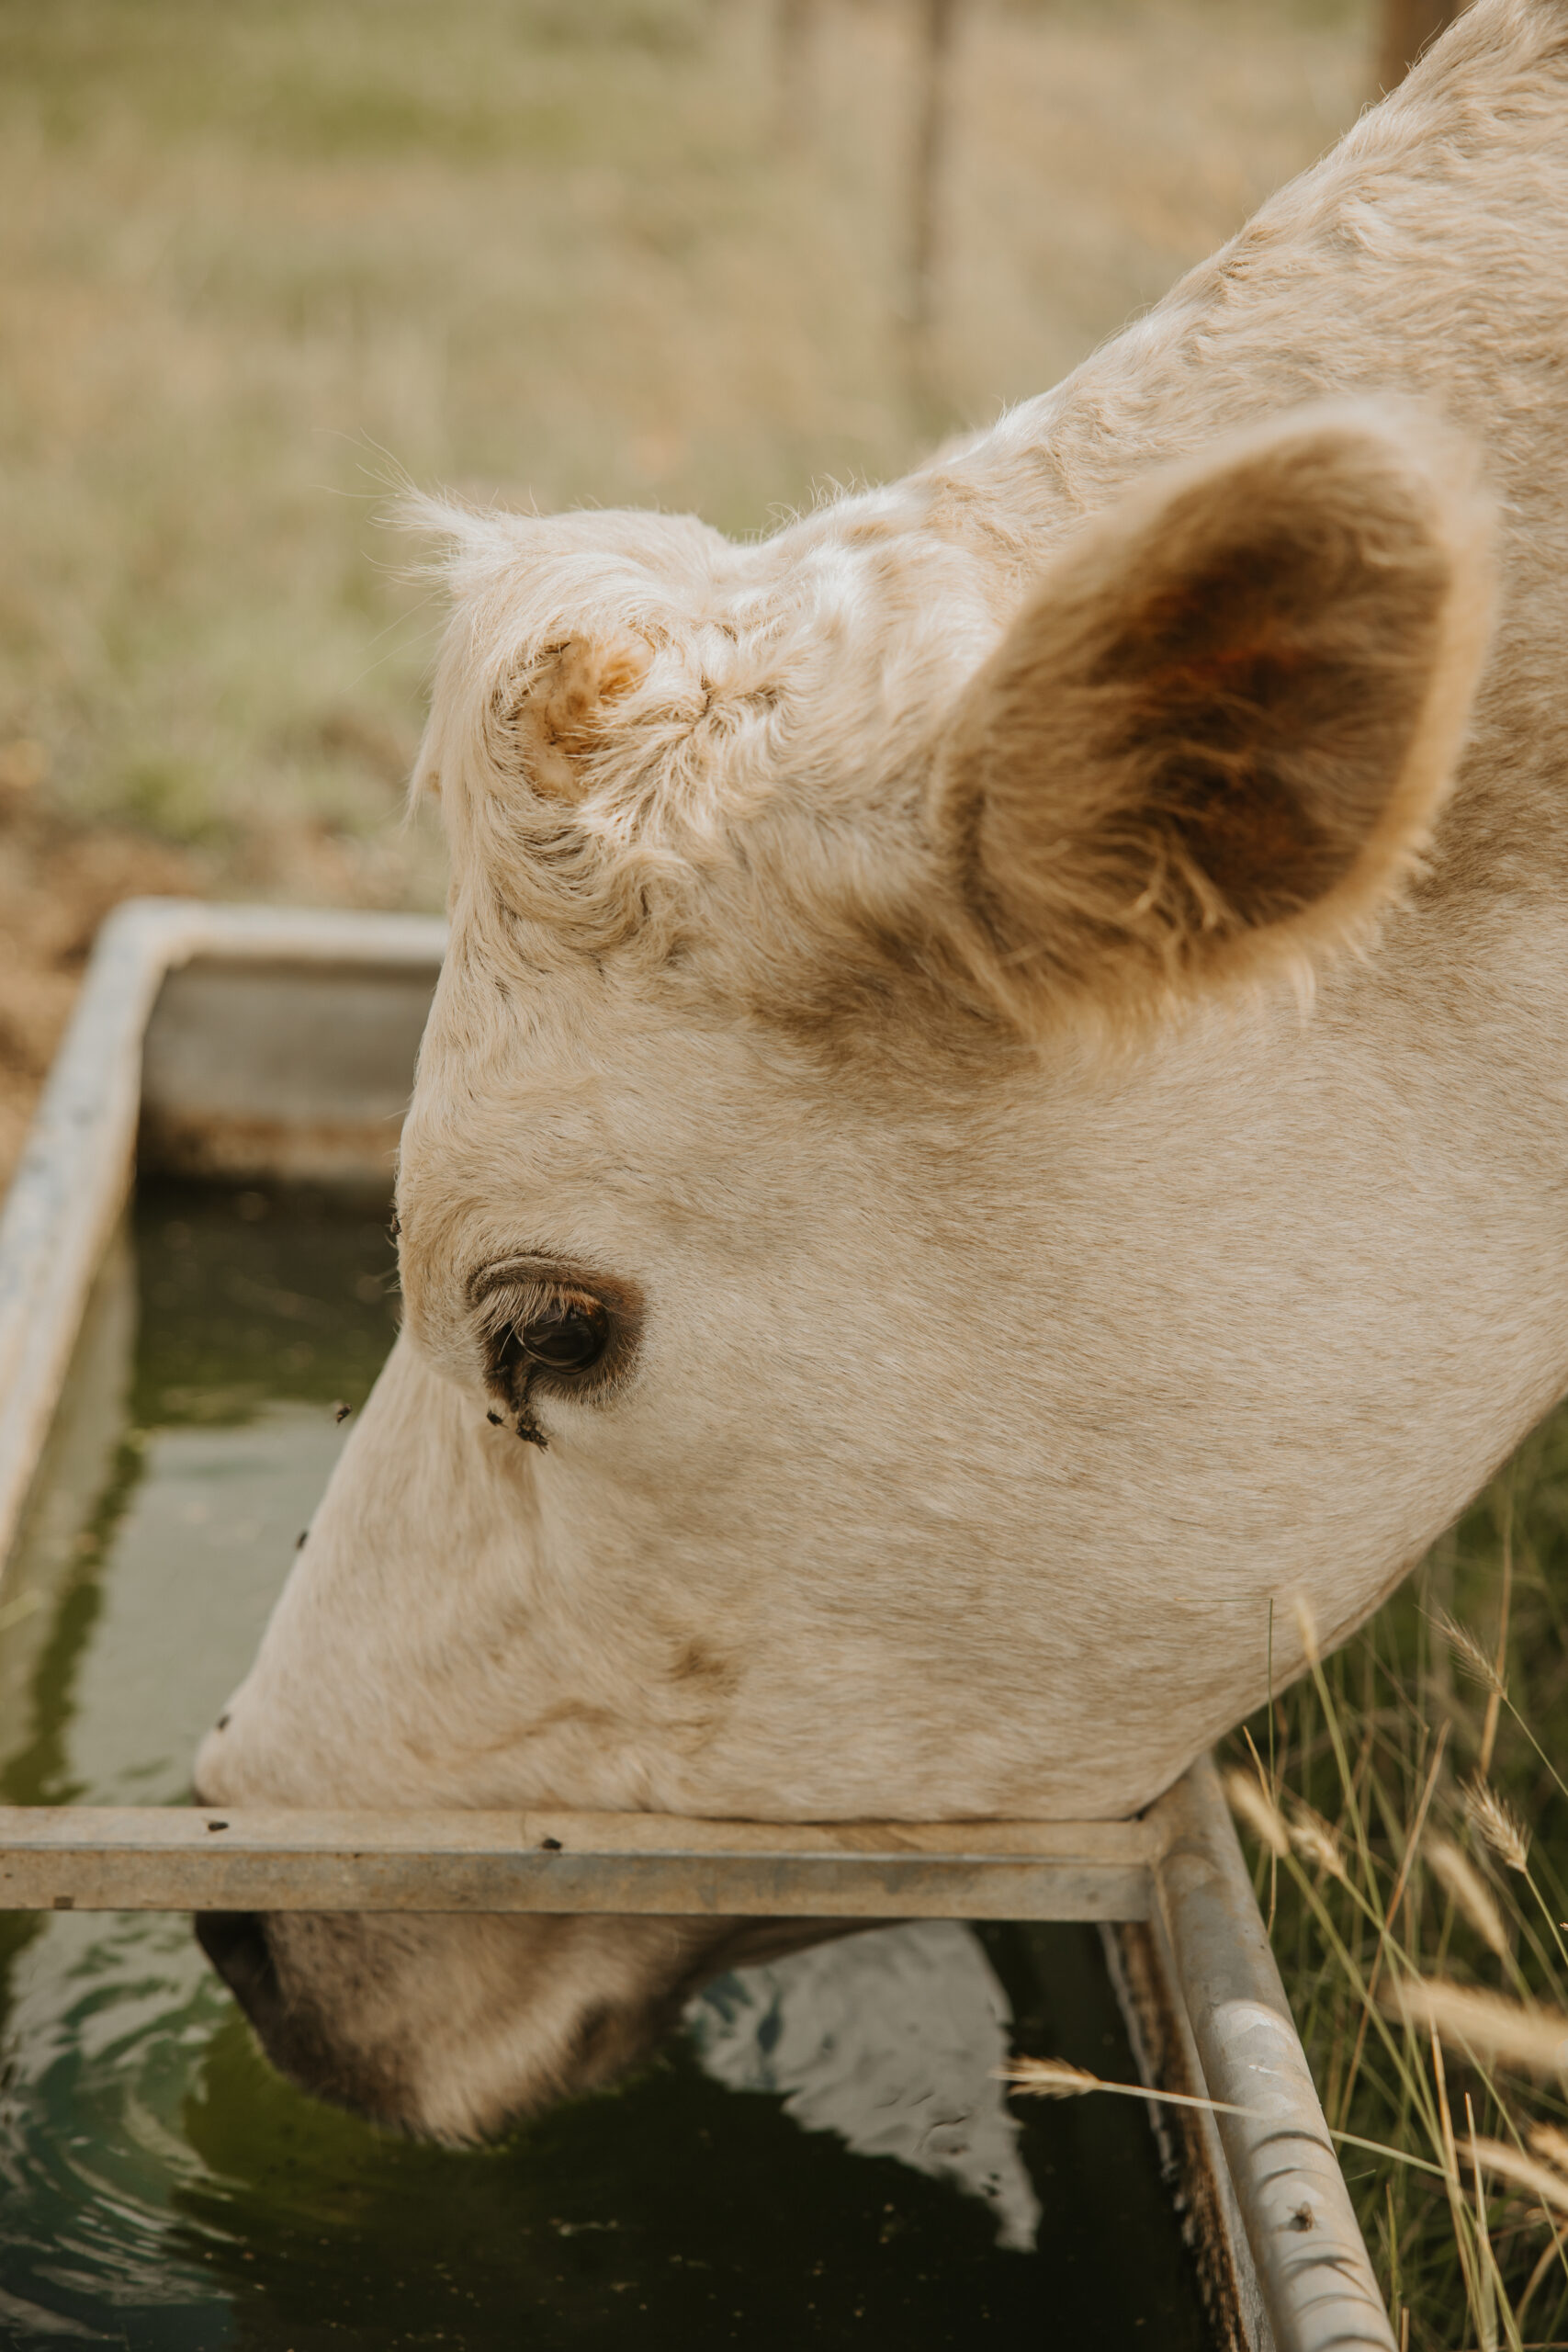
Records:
x=545, y=1324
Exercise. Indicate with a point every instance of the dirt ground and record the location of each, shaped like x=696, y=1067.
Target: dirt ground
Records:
x=58, y=880
x=60, y=875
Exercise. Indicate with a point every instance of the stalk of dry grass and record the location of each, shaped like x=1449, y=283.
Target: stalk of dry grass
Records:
x=1462, y=1881
x=1470, y=1653
x=1251, y=1803
x=1315, y=1842
x=1429, y=1973
x=1521, y=2171
x=1495, y=1821
x=1489, y=2028
x=1059, y=2078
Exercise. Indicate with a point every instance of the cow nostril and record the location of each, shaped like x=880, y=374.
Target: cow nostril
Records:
x=235, y=1942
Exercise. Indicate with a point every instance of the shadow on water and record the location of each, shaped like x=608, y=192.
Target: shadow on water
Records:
x=823, y=2156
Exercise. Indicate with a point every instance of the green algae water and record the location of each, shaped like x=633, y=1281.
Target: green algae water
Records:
x=821, y=2157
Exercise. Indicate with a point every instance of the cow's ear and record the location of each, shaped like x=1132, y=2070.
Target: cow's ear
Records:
x=1219, y=732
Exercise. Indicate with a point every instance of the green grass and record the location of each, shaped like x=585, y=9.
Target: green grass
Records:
x=260, y=258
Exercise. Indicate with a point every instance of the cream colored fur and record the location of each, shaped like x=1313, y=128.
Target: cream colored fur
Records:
x=1000, y=985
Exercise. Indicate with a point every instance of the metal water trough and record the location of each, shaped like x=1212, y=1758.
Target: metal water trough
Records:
x=259, y=1043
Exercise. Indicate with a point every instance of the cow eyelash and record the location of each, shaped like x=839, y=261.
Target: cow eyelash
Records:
x=532, y=1331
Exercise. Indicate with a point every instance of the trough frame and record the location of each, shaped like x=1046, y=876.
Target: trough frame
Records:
x=261, y=1042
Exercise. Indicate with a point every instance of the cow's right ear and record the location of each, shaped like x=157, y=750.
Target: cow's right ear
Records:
x=1218, y=734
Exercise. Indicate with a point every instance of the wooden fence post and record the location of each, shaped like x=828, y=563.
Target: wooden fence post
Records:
x=795, y=30
x=937, y=20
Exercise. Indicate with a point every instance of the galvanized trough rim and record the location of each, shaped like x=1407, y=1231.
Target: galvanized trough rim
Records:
x=78, y=1857
x=76, y=1169
x=1179, y=1867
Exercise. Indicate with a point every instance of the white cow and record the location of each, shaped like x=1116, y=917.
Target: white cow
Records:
x=998, y=1111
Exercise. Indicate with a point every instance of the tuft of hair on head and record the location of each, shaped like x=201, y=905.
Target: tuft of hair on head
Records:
x=568, y=693
x=1215, y=740
x=548, y=721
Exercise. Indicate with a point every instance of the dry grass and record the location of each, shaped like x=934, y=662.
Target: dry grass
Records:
x=1426, y=1956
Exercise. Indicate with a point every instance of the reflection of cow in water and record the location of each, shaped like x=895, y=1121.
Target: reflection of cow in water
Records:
x=994, y=1116
x=895, y=2042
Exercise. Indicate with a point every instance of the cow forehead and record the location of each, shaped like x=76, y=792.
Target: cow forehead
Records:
x=583, y=1111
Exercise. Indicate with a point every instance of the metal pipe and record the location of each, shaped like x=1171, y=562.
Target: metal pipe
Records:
x=1313, y=2268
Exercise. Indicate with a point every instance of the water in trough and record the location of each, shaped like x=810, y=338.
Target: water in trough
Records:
x=822, y=2157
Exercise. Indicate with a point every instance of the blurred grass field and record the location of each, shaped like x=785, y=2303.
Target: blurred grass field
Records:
x=258, y=258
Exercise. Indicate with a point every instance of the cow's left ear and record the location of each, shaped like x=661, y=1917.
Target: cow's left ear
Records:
x=1219, y=732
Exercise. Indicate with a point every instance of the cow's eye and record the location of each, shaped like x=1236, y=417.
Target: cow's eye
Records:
x=543, y=1333
x=571, y=1336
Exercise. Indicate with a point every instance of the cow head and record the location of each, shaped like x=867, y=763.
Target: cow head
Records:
x=898, y=1278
